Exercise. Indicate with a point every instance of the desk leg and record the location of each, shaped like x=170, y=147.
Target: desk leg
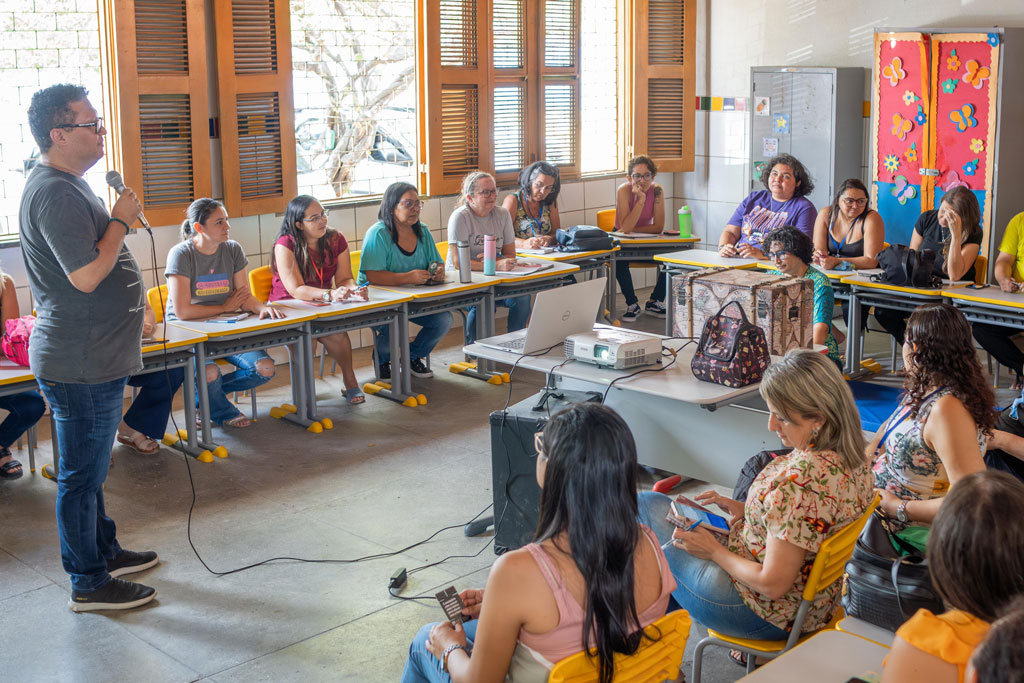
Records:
x=610, y=296
x=485, y=327
x=299, y=372
x=310, y=373
x=203, y=391
x=400, y=349
x=190, y=444
x=668, y=303
x=853, y=336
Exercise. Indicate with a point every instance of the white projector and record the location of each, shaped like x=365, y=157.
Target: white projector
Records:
x=610, y=348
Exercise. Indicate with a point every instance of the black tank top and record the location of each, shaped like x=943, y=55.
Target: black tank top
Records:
x=846, y=248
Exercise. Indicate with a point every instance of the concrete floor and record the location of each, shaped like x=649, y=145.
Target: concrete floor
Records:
x=385, y=477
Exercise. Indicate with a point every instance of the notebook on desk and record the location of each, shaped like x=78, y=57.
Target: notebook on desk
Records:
x=557, y=313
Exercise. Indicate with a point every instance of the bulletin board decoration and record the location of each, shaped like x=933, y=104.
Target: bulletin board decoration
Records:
x=901, y=87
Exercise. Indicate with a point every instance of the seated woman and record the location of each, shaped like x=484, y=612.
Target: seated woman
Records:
x=206, y=276
x=750, y=584
x=594, y=575
x=639, y=207
x=145, y=421
x=311, y=263
x=977, y=567
x=953, y=231
x=938, y=433
x=782, y=202
x=398, y=250
x=476, y=217
x=24, y=409
x=790, y=251
x=532, y=207
x=1009, y=274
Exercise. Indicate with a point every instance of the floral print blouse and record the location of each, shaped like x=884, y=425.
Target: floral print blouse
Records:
x=801, y=498
x=527, y=225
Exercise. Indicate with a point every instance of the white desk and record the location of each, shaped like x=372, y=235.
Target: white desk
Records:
x=828, y=657
x=862, y=629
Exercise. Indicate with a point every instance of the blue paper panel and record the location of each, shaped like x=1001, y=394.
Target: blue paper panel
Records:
x=980, y=194
x=899, y=218
x=875, y=403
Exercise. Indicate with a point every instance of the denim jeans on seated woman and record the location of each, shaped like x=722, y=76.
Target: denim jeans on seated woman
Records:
x=704, y=589
x=434, y=327
x=244, y=378
x=518, y=315
x=424, y=667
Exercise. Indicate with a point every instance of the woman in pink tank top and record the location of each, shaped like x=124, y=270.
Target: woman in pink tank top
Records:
x=640, y=208
x=594, y=573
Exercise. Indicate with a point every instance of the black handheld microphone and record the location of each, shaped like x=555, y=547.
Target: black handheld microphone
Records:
x=115, y=181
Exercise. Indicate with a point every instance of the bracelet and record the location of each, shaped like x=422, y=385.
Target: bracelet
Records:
x=127, y=227
x=447, y=651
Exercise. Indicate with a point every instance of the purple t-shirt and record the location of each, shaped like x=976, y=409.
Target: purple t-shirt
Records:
x=759, y=214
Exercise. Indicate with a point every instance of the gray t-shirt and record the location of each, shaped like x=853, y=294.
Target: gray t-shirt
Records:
x=78, y=338
x=211, y=276
x=465, y=225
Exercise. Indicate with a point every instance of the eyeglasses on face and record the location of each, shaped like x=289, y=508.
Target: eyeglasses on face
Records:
x=850, y=202
x=641, y=176
x=778, y=254
x=316, y=217
x=96, y=125
x=781, y=176
x=538, y=186
x=486, y=193
x=411, y=204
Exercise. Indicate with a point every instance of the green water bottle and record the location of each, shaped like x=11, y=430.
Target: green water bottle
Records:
x=685, y=221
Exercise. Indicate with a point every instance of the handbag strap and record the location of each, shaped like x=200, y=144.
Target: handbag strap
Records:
x=745, y=323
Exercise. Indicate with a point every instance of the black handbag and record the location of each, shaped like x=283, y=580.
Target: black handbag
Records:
x=584, y=238
x=903, y=266
x=883, y=587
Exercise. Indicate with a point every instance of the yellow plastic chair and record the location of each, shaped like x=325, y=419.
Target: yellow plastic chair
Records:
x=606, y=219
x=828, y=567
x=157, y=299
x=442, y=248
x=980, y=269
x=654, y=660
x=260, y=281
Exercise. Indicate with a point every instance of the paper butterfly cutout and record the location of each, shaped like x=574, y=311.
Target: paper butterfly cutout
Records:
x=891, y=163
x=909, y=97
x=901, y=126
x=952, y=180
x=903, y=190
x=920, y=118
x=949, y=85
x=993, y=39
x=977, y=145
x=963, y=118
x=894, y=71
x=952, y=61
x=976, y=74
x=911, y=153
x=970, y=167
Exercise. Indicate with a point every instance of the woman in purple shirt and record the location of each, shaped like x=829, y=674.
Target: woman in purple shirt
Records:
x=782, y=202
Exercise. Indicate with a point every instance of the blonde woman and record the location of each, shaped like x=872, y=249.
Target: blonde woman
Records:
x=476, y=217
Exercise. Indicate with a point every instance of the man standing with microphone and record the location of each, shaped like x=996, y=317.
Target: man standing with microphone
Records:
x=89, y=301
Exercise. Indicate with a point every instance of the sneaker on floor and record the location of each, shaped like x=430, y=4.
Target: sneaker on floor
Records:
x=115, y=594
x=385, y=371
x=655, y=308
x=129, y=561
x=420, y=369
x=631, y=314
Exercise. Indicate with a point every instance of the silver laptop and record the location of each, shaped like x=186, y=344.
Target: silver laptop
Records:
x=557, y=313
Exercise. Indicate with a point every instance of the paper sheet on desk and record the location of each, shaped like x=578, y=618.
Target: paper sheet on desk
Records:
x=536, y=252
x=527, y=268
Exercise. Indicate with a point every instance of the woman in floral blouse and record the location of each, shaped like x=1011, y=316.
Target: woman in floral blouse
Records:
x=749, y=584
x=938, y=433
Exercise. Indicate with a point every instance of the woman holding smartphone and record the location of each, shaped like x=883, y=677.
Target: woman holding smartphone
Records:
x=750, y=585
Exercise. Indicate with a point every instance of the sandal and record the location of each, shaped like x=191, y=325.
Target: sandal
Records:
x=741, y=658
x=11, y=470
x=238, y=422
x=139, y=442
x=355, y=395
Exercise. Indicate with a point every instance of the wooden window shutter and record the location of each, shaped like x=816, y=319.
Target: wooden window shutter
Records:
x=559, y=38
x=453, y=81
x=514, y=123
x=154, y=57
x=257, y=136
x=660, y=112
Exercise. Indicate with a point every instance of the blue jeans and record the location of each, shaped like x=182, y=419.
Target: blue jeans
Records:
x=25, y=410
x=422, y=665
x=433, y=328
x=87, y=416
x=704, y=589
x=518, y=315
x=244, y=378
x=625, y=279
x=149, y=411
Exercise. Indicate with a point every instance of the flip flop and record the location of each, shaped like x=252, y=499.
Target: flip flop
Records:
x=238, y=422
x=355, y=396
x=7, y=470
x=136, y=444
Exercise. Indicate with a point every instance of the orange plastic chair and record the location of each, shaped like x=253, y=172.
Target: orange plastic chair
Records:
x=260, y=281
x=980, y=269
x=606, y=219
x=157, y=299
x=654, y=660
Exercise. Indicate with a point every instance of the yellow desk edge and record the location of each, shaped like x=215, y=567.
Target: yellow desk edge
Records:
x=691, y=262
x=565, y=269
x=28, y=376
x=896, y=288
x=160, y=346
x=366, y=306
x=959, y=293
x=559, y=257
x=656, y=240
x=270, y=324
x=430, y=291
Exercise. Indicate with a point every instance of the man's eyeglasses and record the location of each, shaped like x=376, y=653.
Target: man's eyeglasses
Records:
x=638, y=176
x=487, y=193
x=96, y=125
x=849, y=202
x=411, y=204
x=778, y=255
x=316, y=217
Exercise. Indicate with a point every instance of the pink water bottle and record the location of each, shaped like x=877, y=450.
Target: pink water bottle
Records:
x=490, y=255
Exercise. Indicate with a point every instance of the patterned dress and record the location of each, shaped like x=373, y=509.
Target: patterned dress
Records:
x=527, y=225
x=801, y=498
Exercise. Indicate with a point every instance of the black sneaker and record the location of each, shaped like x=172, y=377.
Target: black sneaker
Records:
x=115, y=594
x=129, y=562
x=385, y=371
x=631, y=314
x=420, y=369
x=655, y=308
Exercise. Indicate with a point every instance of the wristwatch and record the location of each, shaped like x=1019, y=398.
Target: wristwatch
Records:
x=447, y=651
x=326, y=296
x=901, y=512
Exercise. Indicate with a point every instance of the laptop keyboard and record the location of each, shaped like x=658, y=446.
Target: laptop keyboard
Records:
x=516, y=344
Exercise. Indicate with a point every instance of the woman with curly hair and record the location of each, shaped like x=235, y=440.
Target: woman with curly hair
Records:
x=938, y=433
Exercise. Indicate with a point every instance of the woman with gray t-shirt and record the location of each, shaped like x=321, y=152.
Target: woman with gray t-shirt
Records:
x=205, y=277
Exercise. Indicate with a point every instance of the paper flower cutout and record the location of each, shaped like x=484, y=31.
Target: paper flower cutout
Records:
x=949, y=85
x=963, y=117
x=952, y=180
x=977, y=145
x=903, y=190
x=901, y=126
x=911, y=153
x=952, y=61
x=993, y=39
x=894, y=71
x=909, y=97
x=970, y=167
x=892, y=162
x=976, y=74
x=920, y=118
